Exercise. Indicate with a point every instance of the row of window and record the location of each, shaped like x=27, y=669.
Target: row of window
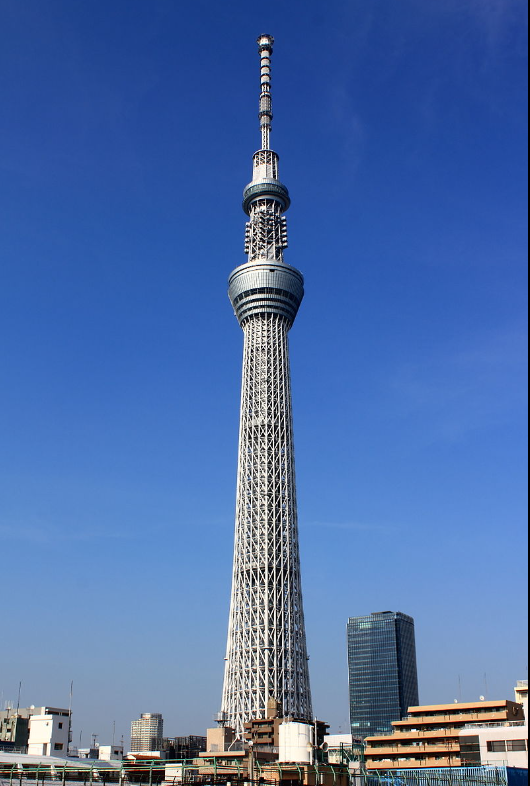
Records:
x=265, y=291
x=500, y=746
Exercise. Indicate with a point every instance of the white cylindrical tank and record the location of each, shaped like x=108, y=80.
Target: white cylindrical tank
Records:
x=295, y=742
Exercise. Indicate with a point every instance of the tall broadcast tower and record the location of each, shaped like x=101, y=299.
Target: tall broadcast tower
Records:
x=266, y=656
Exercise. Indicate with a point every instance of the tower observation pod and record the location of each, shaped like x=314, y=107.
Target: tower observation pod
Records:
x=266, y=655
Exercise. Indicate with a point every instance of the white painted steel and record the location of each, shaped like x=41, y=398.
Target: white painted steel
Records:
x=266, y=654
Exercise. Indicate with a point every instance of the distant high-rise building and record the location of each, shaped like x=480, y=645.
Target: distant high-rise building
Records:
x=382, y=672
x=147, y=732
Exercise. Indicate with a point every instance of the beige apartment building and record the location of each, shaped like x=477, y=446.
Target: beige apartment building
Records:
x=443, y=735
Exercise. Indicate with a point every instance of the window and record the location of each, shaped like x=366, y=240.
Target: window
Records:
x=497, y=746
x=470, y=750
x=60, y=725
x=516, y=745
x=58, y=746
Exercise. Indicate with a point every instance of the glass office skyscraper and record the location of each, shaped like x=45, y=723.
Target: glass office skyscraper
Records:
x=383, y=678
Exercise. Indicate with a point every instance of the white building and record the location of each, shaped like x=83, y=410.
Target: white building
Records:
x=343, y=748
x=49, y=730
x=87, y=753
x=110, y=752
x=501, y=744
x=521, y=695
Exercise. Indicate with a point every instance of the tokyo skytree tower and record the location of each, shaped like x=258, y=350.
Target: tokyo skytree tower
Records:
x=266, y=656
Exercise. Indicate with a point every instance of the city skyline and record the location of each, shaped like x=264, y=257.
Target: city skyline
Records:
x=403, y=142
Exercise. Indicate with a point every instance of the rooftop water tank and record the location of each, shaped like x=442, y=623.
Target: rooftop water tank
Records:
x=295, y=742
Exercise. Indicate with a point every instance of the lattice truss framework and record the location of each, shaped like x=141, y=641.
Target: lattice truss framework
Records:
x=266, y=652
x=266, y=232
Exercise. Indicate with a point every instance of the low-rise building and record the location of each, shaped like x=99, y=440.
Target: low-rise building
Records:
x=184, y=747
x=439, y=735
x=110, y=752
x=14, y=730
x=41, y=731
x=49, y=733
x=521, y=695
x=221, y=739
x=495, y=744
x=87, y=753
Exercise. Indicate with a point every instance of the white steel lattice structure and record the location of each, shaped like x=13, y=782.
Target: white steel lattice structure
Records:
x=266, y=653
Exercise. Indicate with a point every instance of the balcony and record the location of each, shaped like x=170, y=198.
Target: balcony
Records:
x=416, y=734
x=453, y=717
x=414, y=750
x=412, y=764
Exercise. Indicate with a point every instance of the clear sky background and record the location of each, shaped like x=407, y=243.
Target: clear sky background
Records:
x=127, y=130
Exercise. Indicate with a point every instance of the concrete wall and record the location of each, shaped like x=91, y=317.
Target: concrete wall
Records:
x=48, y=735
x=219, y=739
x=498, y=734
x=110, y=752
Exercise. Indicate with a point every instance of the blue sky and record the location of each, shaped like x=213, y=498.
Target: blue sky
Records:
x=127, y=134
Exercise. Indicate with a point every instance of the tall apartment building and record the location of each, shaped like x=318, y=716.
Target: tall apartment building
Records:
x=382, y=671
x=147, y=732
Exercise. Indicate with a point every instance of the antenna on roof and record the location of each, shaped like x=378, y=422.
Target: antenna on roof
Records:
x=68, y=744
x=18, y=699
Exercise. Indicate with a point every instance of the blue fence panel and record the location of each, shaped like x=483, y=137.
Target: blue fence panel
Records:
x=517, y=777
x=455, y=776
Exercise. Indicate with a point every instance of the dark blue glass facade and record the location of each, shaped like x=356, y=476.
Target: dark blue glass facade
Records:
x=382, y=672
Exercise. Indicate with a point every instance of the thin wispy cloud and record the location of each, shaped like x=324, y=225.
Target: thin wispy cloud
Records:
x=351, y=526
x=485, y=33
x=349, y=126
x=496, y=19
x=475, y=387
x=43, y=534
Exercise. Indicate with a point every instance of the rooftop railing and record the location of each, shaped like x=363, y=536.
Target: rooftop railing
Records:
x=497, y=725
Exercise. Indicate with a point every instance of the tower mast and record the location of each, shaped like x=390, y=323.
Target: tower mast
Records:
x=266, y=654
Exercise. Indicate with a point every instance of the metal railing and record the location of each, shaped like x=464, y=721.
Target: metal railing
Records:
x=455, y=776
x=496, y=725
x=211, y=772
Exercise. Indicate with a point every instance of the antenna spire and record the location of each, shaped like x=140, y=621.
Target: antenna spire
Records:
x=265, y=44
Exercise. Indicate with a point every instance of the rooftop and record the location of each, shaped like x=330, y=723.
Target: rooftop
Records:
x=28, y=760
